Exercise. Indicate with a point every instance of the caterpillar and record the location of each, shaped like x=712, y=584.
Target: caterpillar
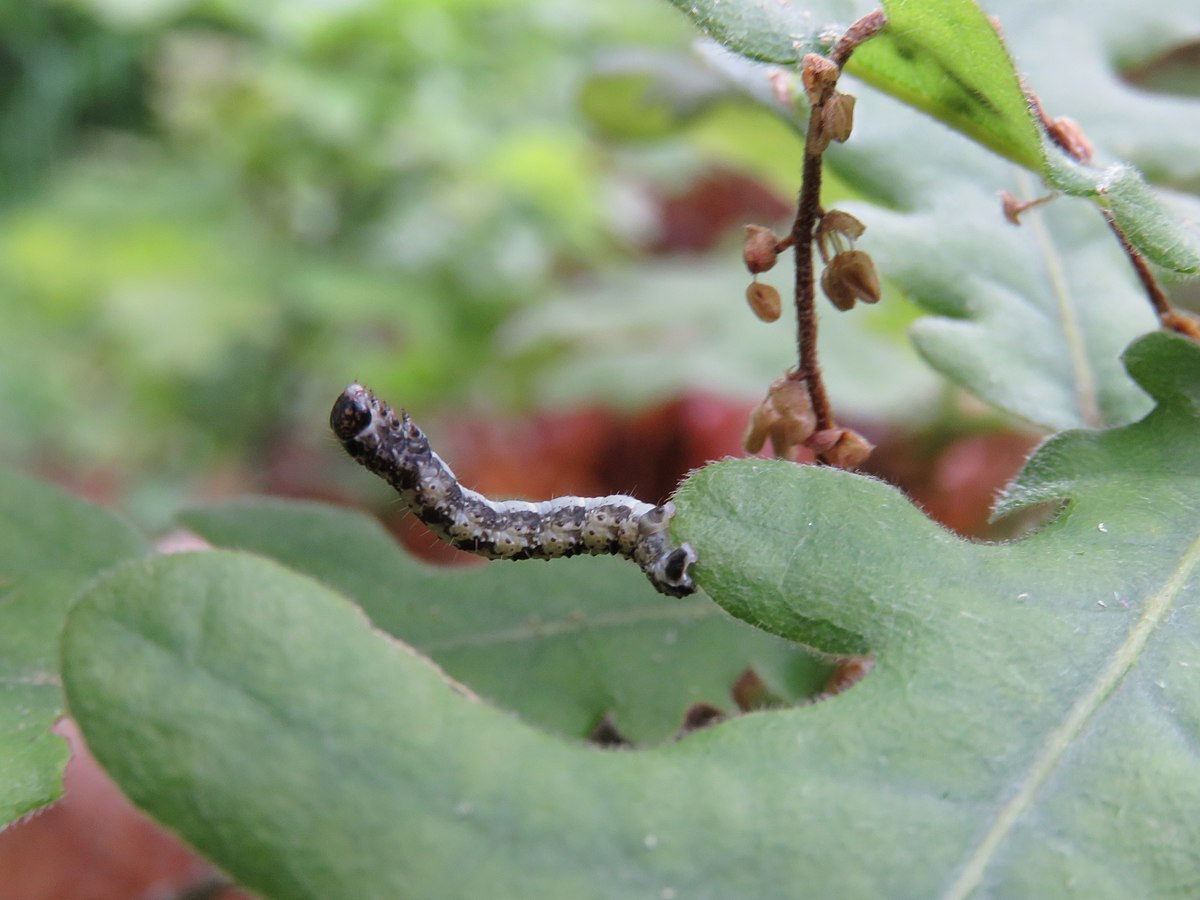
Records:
x=393, y=447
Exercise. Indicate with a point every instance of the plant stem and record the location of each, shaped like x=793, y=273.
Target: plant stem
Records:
x=858, y=33
x=1071, y=139
x=1167, y=316
x=807, y=210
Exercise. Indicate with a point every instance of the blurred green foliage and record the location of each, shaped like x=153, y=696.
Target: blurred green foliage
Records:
x=213, y=214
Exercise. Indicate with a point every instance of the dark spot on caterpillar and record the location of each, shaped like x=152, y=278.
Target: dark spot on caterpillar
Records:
x=348, y=417
x=676, y=565
x=394, y=448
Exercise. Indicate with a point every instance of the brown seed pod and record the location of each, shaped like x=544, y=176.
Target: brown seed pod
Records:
x=824, y=440
x=760, y=249
x=762, y=419
x=790, y=399
x=820, y=77
x=850, y=452
x=850, y=277
x=841, y=222
x=837, y=232
x=785, y=417
x=764, y=300
x=837, y=117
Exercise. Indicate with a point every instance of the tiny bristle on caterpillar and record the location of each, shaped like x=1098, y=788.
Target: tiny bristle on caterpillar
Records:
x=393, y=447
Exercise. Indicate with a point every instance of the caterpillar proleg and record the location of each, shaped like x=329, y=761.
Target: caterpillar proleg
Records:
x=393, y=447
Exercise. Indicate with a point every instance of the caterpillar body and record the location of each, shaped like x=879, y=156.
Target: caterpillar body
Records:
x=393, y=447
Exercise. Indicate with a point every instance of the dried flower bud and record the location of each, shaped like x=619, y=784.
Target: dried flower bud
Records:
x=761, y=420
x=760, y=249
x=850, y=277
x=841, y=222
x=790, y=399
x=837, y=233
x=1012, y=207
x=824, y=440
x=837, y=118
x=785, y=416
x=851, y=450
x=764, y=300
x=1068, y=135
x=796, y=419
x=820, y=77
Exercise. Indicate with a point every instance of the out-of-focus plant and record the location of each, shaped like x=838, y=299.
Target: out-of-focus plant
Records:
x=211, y=208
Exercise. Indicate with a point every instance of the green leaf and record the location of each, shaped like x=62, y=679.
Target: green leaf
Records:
x=781, y=32
x=608, y=344
x=945, y=58
x=51, y=545
x=563, y=643
x=1031, y=319
x=1029, y=728
x=1169, y=237
x=941, y=56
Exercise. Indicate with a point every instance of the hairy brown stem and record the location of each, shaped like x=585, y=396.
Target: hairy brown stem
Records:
x=1071, y=139
x=1168, y=317
x=807, y=210
x=858, y=33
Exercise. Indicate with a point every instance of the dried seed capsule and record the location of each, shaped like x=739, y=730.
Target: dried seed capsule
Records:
x=837, y=117
x=851, y=450
x=820, y=77
x=841, y=222
x=850, y=277
x=764, y=300
x=824, y=440
x=797, y=420
x=760, y=249
x=762, y=419
x=837, y=232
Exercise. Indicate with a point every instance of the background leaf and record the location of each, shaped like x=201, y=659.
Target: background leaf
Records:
x=946, y=59
x=941, y=56
x=1031, y=319
x=1022, y=694
x=563, y=643
x=51, y=545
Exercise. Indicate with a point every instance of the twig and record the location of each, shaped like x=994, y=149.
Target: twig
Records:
x=857, y=34
x=1068, y=136
x=820, y=83
x=807, y=211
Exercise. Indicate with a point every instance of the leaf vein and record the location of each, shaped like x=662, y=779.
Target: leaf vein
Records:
x=1158, y=605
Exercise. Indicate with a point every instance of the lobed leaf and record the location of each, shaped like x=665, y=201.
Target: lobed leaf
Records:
x=51, y=545
x=564, y=643
x=941, y=56
x=1029, y=728
x=946, y=59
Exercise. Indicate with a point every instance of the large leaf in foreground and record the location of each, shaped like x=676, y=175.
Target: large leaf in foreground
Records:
x=564, y=643
x=51, y=545
x=1029, y=729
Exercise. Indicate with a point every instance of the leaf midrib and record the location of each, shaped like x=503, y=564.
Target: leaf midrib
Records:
x=1060, y=740
x=1083, y=377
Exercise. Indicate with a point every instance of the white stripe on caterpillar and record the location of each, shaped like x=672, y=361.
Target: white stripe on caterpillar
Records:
x=394, y=448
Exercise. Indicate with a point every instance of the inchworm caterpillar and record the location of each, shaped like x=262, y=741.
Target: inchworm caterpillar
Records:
x=394, y=448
